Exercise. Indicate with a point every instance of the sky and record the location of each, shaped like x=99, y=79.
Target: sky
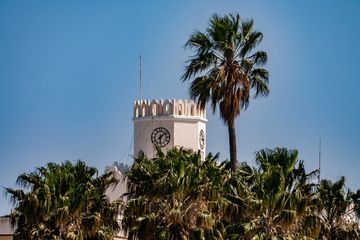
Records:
x=69, y=73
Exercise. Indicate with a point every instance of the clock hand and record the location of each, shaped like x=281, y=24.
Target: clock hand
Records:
x=161, y=136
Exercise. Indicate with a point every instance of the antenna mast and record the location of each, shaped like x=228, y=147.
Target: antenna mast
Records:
x=140, y=78
x=319, y=176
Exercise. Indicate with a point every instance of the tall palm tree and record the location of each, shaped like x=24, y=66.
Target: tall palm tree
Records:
x=225, y=68
x=63, y=201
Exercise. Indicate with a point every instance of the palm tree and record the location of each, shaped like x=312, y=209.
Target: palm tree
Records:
x=63, y=201
x=225, y=68
x=284, y=190
x=338, y=210
x=273, y=197
x=175, y=196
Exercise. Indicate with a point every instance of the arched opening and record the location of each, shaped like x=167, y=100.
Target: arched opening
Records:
x=154, y=109
x=144, y=109
x=136, y=110
x=180, y=109
x=167, y=108
x=192, y=110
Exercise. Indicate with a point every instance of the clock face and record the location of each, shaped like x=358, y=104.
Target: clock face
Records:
x=160, y=137
x=202, y=139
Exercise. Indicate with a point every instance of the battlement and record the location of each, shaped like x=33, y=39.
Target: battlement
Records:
x=167, y=107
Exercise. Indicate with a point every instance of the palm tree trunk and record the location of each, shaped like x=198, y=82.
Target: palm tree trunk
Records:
x=232, y=144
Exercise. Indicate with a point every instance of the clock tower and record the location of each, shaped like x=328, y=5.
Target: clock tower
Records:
x=167, y=124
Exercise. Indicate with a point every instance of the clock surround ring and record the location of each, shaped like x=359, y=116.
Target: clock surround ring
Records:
x=160, y=137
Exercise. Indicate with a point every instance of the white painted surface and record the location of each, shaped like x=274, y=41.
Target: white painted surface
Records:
x=182, y=118
x=116, y=191
x=5, y=228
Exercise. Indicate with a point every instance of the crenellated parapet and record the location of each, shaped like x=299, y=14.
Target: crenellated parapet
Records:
x=167, y=107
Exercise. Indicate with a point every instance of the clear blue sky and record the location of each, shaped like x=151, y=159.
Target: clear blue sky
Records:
x=69, y=75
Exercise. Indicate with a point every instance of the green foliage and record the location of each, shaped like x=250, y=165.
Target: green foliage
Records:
x=274, y=195
x=338, y=210
x=179, y=196
x=63, y=201
x=175, y=196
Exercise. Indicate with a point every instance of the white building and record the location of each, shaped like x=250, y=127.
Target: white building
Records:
x=167, y=124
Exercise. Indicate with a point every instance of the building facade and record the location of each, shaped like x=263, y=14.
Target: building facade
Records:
x=168, y=124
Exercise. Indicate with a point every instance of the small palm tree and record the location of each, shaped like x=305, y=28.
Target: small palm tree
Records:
x=339, y=210
x=284, y=190
x=174, y=196
x=225, y=68
x=63, y=201
x=272, y=198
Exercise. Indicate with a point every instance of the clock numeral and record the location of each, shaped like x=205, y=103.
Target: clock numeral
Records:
x=202, y=139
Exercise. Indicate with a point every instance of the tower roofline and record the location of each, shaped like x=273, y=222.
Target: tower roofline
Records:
x=167, y=107
x=171, y=118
